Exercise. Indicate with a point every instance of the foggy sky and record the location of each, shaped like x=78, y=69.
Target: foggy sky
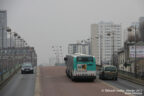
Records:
x=43, y=23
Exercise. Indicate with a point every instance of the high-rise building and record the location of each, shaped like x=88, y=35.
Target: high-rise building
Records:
x=79, y=48
x=3, y=26
x=105, y=41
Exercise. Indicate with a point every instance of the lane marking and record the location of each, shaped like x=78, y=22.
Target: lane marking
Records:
x=37, y=91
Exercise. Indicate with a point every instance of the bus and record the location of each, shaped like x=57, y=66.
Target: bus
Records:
x=80, y=66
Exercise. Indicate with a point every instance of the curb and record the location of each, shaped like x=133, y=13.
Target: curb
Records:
x=37, y=91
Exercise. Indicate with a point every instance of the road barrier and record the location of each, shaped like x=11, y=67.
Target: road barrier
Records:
x=131, y=79
x=11, y=60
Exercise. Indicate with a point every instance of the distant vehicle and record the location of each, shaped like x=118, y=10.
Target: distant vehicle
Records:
x=80, y=66
x=27, y=68
x=108, y=72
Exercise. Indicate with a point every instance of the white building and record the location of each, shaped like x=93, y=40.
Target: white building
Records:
x=105, y=36
x=78, y=48
x=3, y=27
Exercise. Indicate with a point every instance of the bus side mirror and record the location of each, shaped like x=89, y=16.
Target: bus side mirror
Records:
x=65, y=59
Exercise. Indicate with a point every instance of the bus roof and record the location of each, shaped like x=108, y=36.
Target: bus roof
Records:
x=79, y=54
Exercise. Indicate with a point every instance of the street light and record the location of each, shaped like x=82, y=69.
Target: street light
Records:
x=15, y=36
x=2, y=45
x=135, y=63
x=10, y=32
x=109, y=34
x=100, y=47
x=19, y=41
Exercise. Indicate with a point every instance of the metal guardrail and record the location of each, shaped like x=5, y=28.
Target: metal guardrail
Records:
x=131, y=79
x=11, y=60
x=139, y=76
x=7, y=75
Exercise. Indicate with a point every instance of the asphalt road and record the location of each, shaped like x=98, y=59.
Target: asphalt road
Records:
x=125, y=85
x=19, y=85
x=54, y=82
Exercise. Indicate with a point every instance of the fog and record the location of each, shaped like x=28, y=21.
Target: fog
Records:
x=44, y=23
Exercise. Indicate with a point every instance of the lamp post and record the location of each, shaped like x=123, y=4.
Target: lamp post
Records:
x=9, y=31
x=19, y=41
x=2, y=45
x=23, y=43
x=109, y=34
x=9, y=63
x=15, y=38
x=135, y=63
x=100, y=48
x=89, y=44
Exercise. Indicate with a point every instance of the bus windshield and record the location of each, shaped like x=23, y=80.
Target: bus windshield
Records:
x=84, y=59
x=110, y=69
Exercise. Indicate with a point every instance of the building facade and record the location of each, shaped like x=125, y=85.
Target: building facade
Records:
x=3, y=27
x=105, y=41
x=128, y=61
x=78, y=48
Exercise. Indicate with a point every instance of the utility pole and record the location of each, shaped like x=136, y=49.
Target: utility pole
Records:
x=112, y=34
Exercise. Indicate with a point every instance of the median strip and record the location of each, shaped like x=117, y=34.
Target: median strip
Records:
x=37, y=84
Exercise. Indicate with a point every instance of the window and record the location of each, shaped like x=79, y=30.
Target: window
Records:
x=85, y=59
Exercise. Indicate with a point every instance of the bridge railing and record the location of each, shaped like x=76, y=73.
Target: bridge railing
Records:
x=11, y=60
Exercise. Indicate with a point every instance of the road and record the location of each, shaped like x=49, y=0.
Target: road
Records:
x=124, y=85
x=19, y=85
x=55, y=83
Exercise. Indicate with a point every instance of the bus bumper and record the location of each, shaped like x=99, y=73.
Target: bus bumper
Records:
x=84, y=77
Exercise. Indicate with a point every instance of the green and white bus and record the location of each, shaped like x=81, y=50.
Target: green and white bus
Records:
x=80, y=66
